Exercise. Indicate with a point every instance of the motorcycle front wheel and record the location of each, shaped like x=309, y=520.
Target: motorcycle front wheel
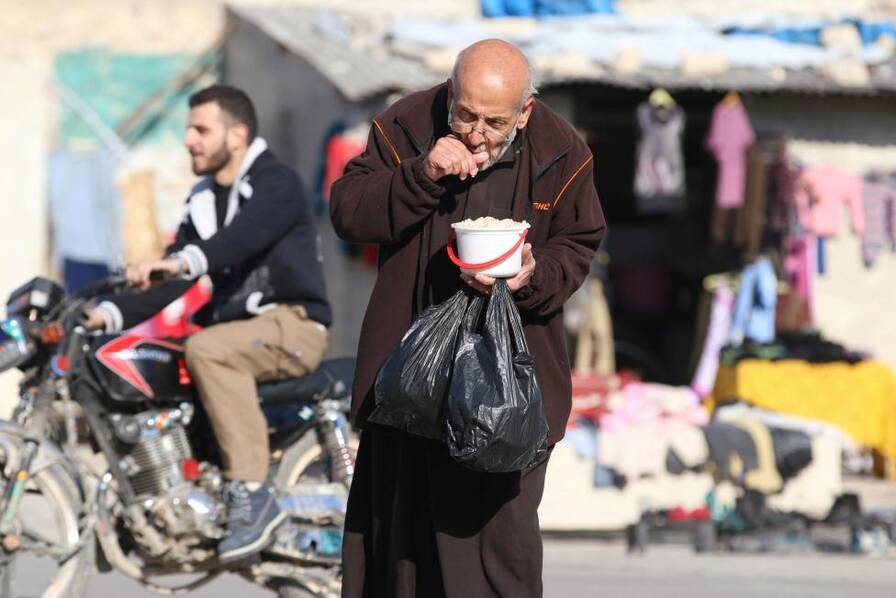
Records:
x=45, y=557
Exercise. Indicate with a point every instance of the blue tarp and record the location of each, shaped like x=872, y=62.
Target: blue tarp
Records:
x=662, y=44
x=869, y=31
x=545, y=8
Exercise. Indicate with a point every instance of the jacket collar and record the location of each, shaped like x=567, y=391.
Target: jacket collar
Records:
x=423, y=127
x=201, y=204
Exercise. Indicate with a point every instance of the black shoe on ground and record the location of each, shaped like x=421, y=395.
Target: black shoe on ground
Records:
x=252, y=516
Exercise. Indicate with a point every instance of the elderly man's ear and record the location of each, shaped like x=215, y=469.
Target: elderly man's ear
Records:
x=526, y=112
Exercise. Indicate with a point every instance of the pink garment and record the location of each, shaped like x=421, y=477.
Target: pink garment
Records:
x=716, y=335
x=641, y=403
x=880, y=220
x=819, y=198
x=799, y=266
x=730, y=135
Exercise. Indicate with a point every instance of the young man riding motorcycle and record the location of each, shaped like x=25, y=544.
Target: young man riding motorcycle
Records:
x=249, y=227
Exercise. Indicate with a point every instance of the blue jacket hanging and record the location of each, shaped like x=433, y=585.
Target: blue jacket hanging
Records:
x=754, y=308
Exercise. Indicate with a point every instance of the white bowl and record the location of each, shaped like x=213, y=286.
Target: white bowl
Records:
x=479, y=245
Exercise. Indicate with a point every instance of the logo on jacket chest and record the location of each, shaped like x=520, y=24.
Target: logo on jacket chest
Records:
x=541, y=206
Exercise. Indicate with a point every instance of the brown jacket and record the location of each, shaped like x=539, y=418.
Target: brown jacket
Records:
x=385, y=198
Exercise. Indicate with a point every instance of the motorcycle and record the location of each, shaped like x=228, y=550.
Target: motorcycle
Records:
x=109, y=461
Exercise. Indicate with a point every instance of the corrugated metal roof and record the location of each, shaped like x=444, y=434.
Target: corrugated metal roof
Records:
x=382, y=63
x=356, y=74
x=743, y=80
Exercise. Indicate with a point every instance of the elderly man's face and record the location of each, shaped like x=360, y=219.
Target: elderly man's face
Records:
x=486, y=114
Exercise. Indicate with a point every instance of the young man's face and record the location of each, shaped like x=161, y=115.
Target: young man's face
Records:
x=207, y=138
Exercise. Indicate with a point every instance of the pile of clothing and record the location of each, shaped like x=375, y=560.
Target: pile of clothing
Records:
x=657, y=446
x=808, y=346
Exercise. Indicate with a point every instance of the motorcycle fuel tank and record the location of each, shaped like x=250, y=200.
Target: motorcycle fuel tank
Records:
x=141, y=370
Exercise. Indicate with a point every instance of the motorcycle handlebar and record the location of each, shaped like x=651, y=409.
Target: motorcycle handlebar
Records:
x=110, y=284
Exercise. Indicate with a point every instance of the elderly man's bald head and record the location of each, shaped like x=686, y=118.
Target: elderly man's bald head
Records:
x=490, y=97
x=494, y=65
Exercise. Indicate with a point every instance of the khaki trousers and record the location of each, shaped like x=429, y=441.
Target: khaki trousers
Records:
x=226, y=360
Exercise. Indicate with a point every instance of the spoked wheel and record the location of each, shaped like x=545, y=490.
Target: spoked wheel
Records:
x=42, y=557
x=308, y=462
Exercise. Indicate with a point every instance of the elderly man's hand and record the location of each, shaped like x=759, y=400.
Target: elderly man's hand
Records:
x=139, y=274
x=483, y=283
x=449, y=156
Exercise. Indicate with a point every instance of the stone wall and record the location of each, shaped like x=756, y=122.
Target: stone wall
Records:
x=23, y=242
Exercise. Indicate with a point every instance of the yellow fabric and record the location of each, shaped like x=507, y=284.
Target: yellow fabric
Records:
x=860, y=399
x=765, y=478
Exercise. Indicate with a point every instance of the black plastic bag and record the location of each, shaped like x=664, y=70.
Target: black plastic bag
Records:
x=410, y=387
x=495, y=417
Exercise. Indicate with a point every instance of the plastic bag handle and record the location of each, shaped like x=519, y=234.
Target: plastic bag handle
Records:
x=484, y=265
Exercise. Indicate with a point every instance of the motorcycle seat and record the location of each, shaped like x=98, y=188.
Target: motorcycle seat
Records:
x=332, y=380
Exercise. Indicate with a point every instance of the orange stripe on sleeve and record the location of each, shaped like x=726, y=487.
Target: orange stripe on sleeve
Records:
x=388, y=142
x=571, y=179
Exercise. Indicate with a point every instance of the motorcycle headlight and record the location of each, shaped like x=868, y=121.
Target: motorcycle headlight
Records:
x=15, y=346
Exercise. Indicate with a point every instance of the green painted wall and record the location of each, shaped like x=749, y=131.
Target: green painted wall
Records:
x=114, y=85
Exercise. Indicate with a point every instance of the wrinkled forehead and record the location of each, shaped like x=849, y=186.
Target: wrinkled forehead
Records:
x=488, y=93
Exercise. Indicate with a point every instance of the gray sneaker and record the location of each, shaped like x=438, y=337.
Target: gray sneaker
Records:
x=251, y=519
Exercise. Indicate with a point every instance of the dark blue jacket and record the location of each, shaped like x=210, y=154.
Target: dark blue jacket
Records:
x=267, y=253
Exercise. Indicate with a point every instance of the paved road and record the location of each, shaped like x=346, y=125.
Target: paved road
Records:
x=586, y=568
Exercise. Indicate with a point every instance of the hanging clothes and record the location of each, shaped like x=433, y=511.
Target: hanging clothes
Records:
x=716, y=336
x=84, y=209
x=799, y=268
x=730, y=135
x=341, y=149
x=142, y=238
x=659, y=168
x=754, y=309
x=820, y=194
x=742, y=227
x=594, y=346
x=880, y=220
x=791, y=312
x=751, y=217
x=782, y=180
x=77, y=274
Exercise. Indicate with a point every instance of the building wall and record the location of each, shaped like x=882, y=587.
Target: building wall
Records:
x=854, y=304
x=298, y=109
x=23, y=244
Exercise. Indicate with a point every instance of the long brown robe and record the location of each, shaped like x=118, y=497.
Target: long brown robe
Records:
x=419, y=525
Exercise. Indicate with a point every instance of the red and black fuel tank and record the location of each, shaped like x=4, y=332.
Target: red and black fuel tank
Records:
x=140, y=371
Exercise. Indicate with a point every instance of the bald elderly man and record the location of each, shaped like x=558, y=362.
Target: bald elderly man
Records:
x=481, y=144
